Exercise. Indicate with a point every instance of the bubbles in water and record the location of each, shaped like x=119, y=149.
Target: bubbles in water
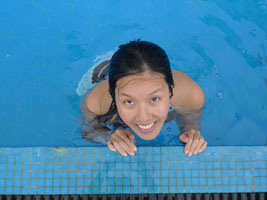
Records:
x=169, y=129
x=238, y=116
x=219, y=95
x=263, y=7
x=216, y=70
x=244, y=51
x=7, y=55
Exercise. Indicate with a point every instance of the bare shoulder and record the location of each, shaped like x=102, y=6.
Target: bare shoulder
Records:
x=99, y=100
x=186, y=92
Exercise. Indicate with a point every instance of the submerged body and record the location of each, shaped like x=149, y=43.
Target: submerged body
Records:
x=141, y=101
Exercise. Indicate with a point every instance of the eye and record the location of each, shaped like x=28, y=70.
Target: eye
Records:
x=129, y=102
x=155, y=99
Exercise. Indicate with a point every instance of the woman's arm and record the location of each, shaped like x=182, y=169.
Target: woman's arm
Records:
x=188, y=101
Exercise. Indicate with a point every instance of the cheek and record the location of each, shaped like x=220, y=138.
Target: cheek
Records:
x=163, y=111
x=124, y=114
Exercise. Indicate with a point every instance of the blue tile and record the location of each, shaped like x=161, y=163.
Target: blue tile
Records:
x=263, y=164
x=9, y=183
x=41, y=182
x=217, y=173
x=72, y=182
x=263, y=181
x=172, y=181
x=209, y=173
x=202, y=173
x=217, y=165
x=224, y=157
x=187, y=181
x=118, y=174
x=172, y=165
x=164, y=166
x=263, y=172
x=172, y=189
x=263, y=188
x=233, y=181
x=180, y=181
x=210, y=181
x=241, y=188
x=218, y=181
x=255, y=172
x=49, y=174
x=164, y=181
x=232, y=165
x=249, y=188
x=203, y=181
x=187, y=165
x=164, y=189
x=225, y=188
x=111, y=181
x=195, y=173
x=195, y=181
x=240, y=173
x=157, y=174
x=256, y=180
x=248, y=181
x=239, y=164
x=80, y=182
x=64, y=190
x=118, y=189
x=118, y=181
x=48, y=182
x=211, y=189
x=225, y=165
x=187, y=189
x=72, y=190
x=96, y=182
x=8, y=190
x=232, y=173
x=202, y=189
x=180, y=173
x=209, y=166
x=225, y=180
x=240, y=180
x=164, y=173
x=187, y=173
x=25, y=175
x=56, y=182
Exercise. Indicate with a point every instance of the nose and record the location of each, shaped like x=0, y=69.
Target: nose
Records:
x=143, y=114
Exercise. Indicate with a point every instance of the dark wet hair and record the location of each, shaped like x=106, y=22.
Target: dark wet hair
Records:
x=133, y=58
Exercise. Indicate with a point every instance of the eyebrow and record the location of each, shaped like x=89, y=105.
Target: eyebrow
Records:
x=155, y=91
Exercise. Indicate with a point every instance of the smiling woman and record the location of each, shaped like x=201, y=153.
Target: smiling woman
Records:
x=137, y=99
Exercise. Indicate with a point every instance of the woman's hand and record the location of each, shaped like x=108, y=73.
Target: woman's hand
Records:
x=195, y=143
x=123, y=141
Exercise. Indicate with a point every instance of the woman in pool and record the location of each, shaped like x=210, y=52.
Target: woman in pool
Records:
x=137, y=97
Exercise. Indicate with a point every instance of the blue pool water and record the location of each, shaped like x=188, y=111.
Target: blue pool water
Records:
x=46, y=48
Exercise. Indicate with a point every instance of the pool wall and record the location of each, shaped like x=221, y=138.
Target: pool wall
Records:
x=97, y=170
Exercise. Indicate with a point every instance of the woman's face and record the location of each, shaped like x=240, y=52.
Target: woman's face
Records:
x=143, y=103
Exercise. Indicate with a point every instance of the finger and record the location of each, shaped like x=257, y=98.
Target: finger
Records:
x=199, y=144
x=126, y=144
x=183, y=138
x=131, y=138
x=110, y=146
x=119, y=147
x=189, y=143
x=203, y=147
x=194, y=144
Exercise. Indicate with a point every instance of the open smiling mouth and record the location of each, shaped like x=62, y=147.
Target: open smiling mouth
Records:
x=147, y=128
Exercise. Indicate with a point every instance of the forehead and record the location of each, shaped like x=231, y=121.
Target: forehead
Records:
x=139, y=81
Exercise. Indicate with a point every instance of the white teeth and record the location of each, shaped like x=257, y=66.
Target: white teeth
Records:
x=147, y=126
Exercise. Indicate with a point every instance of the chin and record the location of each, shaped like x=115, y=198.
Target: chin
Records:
x=148, y=135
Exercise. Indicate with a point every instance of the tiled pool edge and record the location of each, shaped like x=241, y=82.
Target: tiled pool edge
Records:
x=97, y=170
